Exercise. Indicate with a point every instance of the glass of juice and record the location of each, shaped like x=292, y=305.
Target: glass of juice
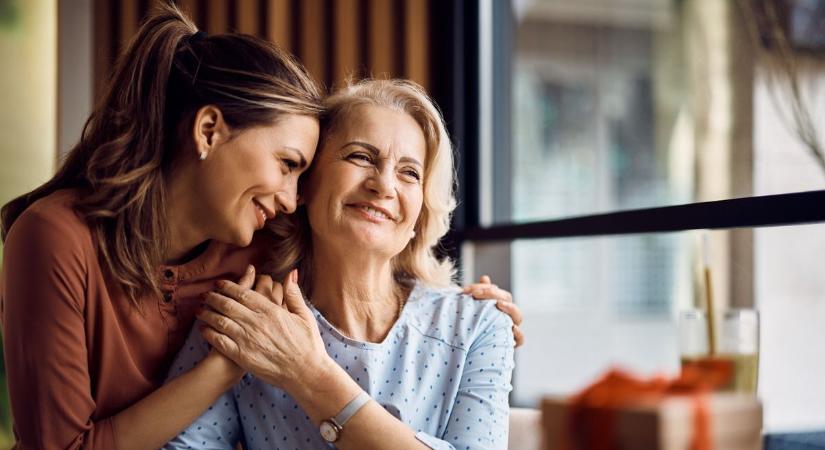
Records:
x=693, y=336
x=739, y=341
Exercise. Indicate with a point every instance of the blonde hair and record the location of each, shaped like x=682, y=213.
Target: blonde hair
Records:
x=293, y=247
x=132, y=140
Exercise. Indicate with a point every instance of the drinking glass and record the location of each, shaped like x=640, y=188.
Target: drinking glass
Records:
x=739, y=341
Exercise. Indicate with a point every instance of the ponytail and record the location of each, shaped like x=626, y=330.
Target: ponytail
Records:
x=130, y=141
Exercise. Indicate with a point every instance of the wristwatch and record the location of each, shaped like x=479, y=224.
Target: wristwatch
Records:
x=331, y=428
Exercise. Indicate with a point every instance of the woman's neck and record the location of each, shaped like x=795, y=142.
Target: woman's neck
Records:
x=185, y=240
x=357, y=295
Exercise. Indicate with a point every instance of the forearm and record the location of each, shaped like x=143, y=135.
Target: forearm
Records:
x=372, y=427
x=157, y=418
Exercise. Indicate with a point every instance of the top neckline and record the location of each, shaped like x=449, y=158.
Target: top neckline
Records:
x=402, y=318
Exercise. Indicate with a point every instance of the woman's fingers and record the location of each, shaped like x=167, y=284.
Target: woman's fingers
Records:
x=277, y=294
x=488, y=292
x=221, y=342
x=247, y=278
x=220, y=322
x=480, y=291
x=245, y=296
x=518, y=335
x=512, y=310
x=485, y=280
x=294, y=299
x=263, y=285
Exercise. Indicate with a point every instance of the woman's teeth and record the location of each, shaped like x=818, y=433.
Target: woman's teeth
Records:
x=261, y=212
x=374, y=213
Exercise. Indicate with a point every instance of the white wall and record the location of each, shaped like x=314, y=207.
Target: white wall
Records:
x=28, y=93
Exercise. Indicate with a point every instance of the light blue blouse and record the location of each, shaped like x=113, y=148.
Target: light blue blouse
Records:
x=444, y=369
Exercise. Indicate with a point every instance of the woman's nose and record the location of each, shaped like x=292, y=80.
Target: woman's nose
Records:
x=287, y=199
x=382, y=182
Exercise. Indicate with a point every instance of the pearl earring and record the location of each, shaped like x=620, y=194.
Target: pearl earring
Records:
x=412, y=234
x=203, y=156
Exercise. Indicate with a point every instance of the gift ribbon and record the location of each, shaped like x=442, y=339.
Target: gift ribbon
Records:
x=592, y=413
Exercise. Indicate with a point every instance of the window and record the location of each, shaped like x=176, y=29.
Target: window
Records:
x=598, y=140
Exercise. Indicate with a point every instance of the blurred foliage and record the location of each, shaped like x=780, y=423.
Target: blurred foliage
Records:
x=9, y=13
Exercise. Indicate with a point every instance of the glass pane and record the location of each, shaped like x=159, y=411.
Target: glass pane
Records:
x=595, y=303
x=790, y=294
x=626, y=104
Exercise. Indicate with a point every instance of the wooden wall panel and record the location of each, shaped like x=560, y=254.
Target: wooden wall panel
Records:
x=381, y=39
x=416, y=41
x=334, y=39
x=311, y=49
x=278, y=23
x=103, y=51
x=247, y=13
x=217, y=16
x=346, y=51
x=128, y=23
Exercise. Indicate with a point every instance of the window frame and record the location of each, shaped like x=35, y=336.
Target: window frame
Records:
x=456, y=88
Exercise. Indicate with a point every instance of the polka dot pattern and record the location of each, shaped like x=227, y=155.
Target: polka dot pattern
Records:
x=444, y=370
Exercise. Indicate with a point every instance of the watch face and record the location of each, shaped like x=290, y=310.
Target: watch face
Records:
x=328, y=431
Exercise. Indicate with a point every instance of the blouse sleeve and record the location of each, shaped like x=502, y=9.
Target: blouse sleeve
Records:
x=43, y=297
x=480, y=415
x=219, y=427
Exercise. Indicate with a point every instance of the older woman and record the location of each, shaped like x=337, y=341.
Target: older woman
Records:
x=385, y=353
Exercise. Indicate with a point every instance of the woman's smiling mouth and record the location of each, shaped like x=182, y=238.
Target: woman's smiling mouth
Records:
x=373, y=213
x=261, y=214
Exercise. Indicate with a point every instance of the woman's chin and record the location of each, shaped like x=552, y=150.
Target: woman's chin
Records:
x=241, y=238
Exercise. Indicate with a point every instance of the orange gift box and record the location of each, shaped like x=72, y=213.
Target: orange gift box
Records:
x=622, y=412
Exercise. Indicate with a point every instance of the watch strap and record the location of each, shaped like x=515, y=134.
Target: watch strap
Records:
x=352, y=407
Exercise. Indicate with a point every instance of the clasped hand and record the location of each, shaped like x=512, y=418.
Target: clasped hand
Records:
x=269, y=331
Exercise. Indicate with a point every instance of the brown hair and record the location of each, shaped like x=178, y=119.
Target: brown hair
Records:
x=418, y=260
x=131, y=141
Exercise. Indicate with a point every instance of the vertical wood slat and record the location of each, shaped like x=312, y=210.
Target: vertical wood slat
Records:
x=246, y=12
x=103, y=53
x=346, y=42
x=128, y=23
x=217, y=17
x=417, y=43
x=363, y=33
x=278, y=29
x=381, y=39
x=311, y=47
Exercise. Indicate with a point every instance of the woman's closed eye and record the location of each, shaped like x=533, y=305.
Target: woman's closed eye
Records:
x=411, y=175
x=290, y=165
x=361, y=158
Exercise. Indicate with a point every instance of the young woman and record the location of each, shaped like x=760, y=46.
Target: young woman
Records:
x=198, y=141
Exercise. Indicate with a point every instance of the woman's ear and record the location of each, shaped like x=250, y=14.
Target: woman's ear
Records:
x=208, y=130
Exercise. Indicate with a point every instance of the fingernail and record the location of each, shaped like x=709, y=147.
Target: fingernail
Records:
x=295, y=276
x=220, y=284
x=249, y=269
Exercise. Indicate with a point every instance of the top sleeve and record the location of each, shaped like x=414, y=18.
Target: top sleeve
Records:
x=480, y=415
x=43, y=297
x=219, y=427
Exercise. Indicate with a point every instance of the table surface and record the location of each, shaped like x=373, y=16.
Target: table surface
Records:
x=795, y=441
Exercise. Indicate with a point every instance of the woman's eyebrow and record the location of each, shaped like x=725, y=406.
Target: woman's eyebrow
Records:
x=302, y=161
x=376, y=153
